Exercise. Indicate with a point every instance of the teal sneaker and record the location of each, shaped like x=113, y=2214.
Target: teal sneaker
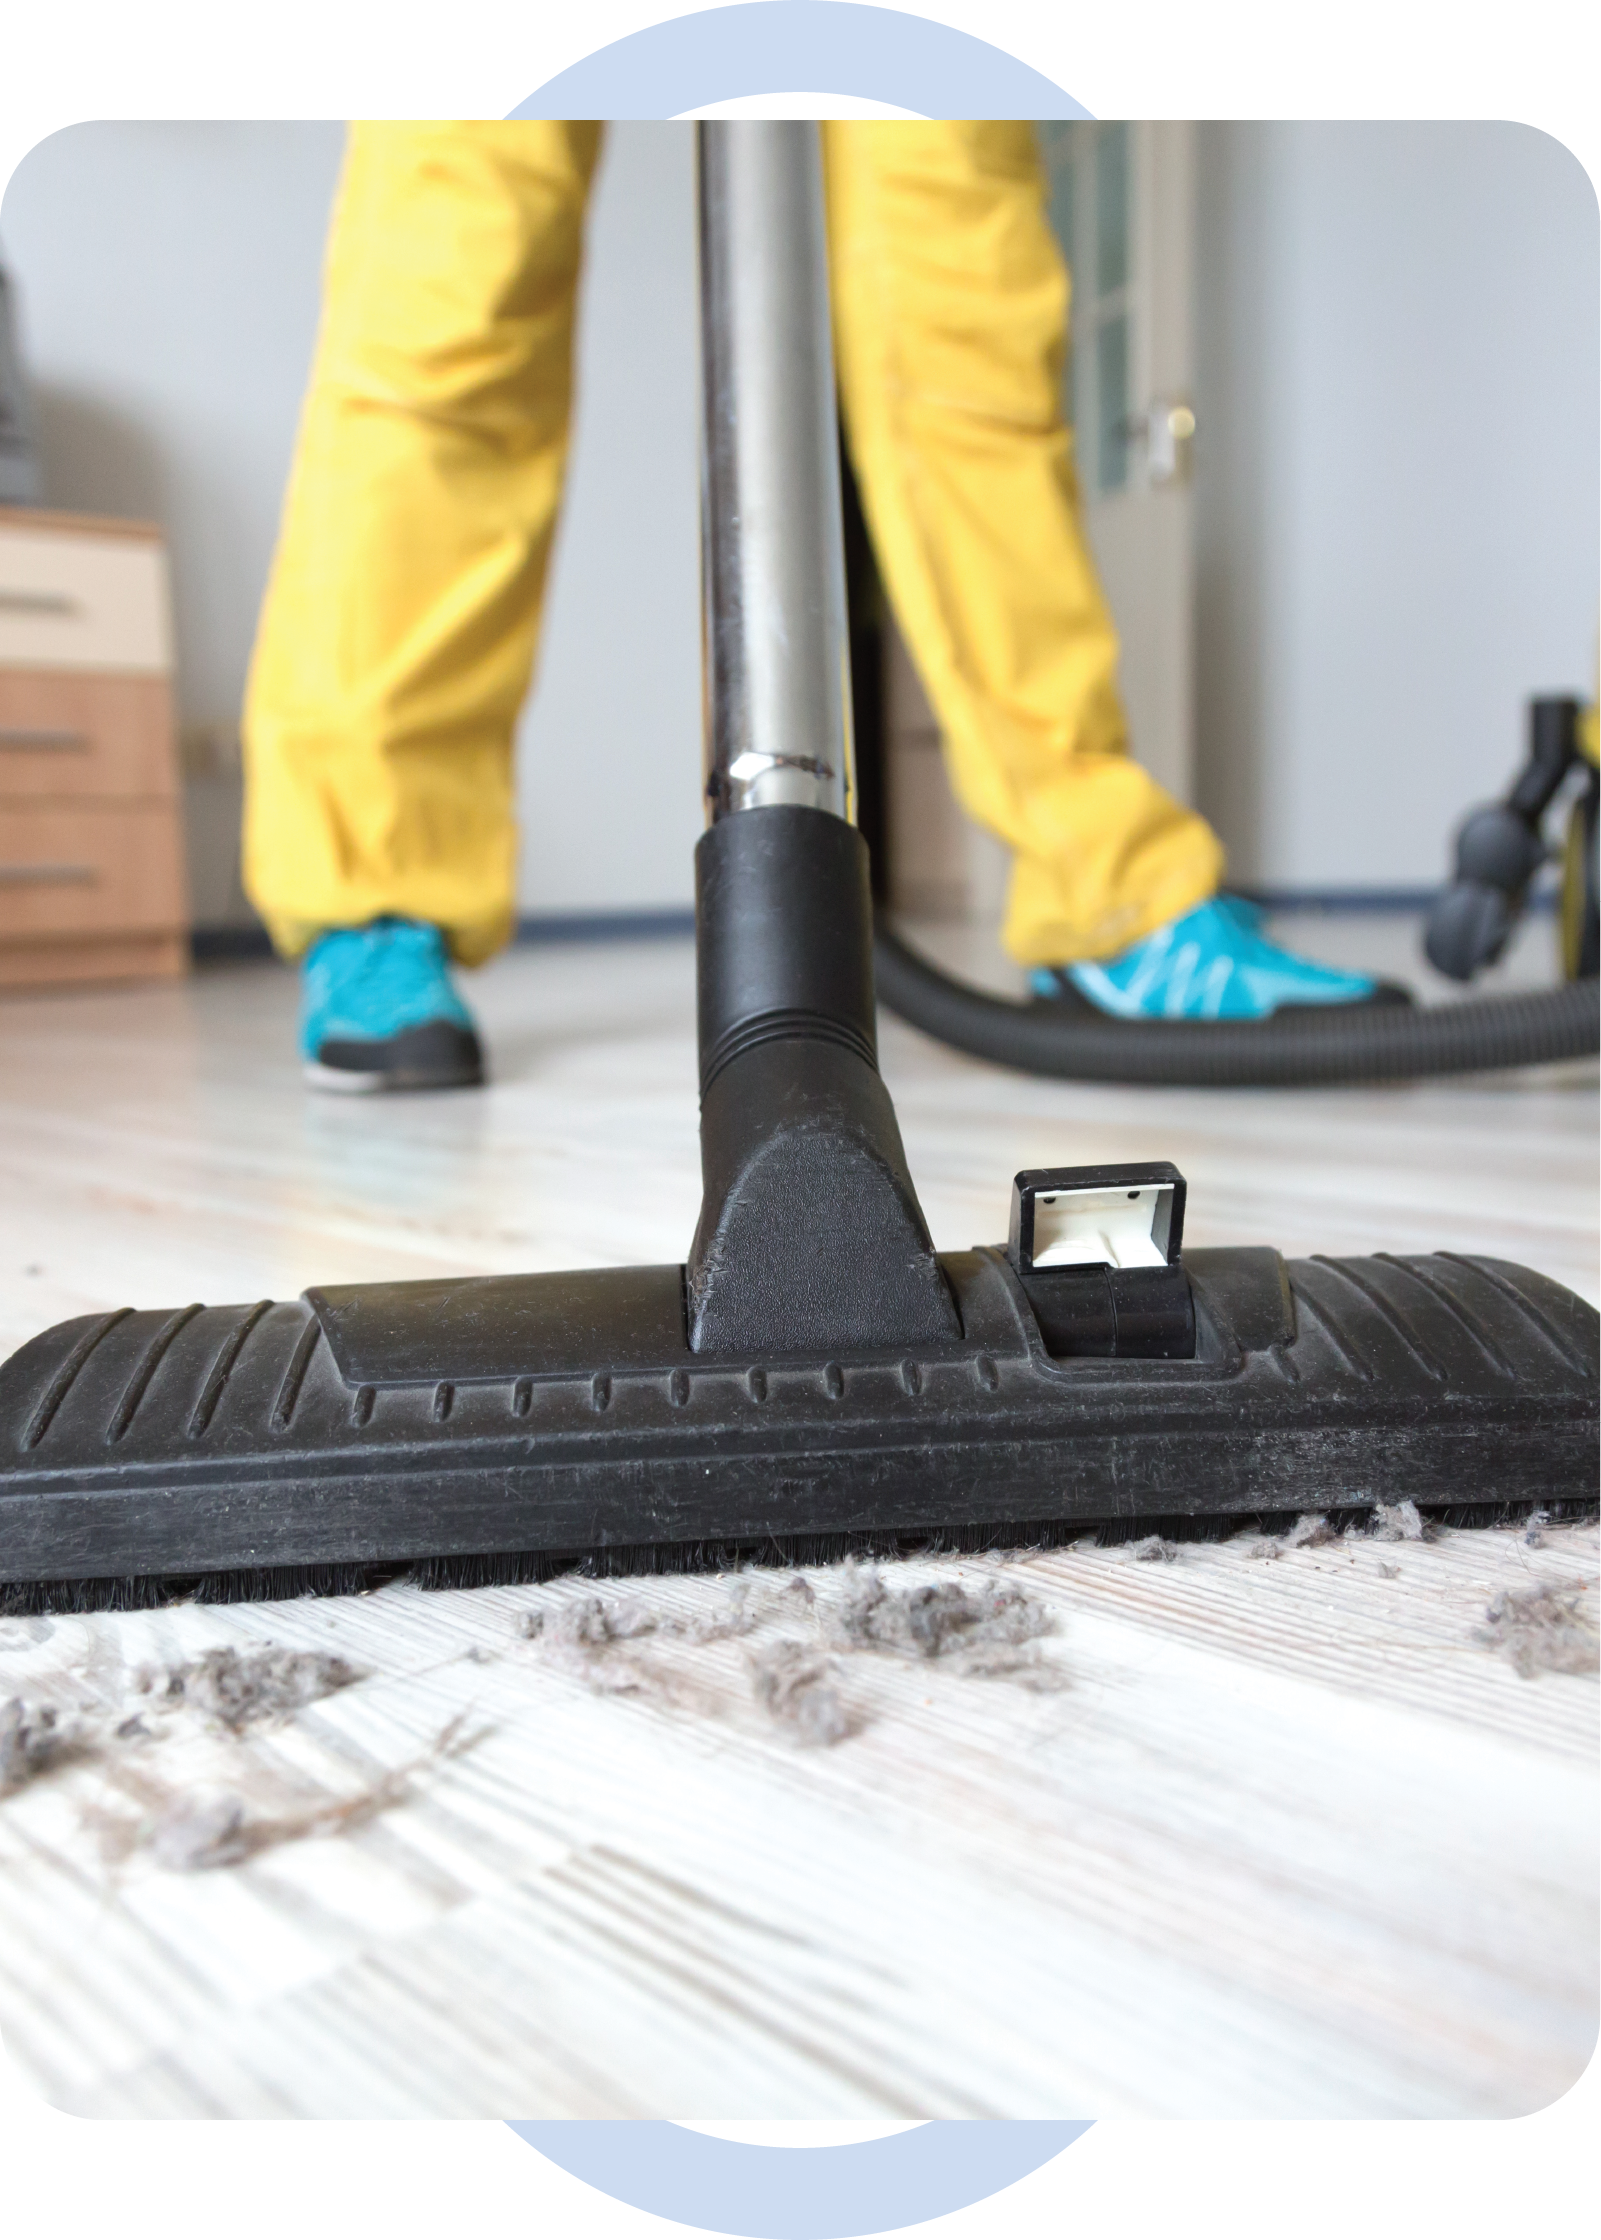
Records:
x=378, y=1011
x=1213, y=963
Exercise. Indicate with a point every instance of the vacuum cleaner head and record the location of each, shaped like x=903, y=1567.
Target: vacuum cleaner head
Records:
x=510, y=1426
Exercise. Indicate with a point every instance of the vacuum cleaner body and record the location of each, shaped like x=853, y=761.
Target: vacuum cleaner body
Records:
x=815, y=1375
x=1500, y=849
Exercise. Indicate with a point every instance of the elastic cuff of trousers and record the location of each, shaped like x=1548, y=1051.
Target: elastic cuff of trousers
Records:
x=473, y=942
x=1035, y=936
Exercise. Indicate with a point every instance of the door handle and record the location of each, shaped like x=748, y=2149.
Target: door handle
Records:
x=1167, y=429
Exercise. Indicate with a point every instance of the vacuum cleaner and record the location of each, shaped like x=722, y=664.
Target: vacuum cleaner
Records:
x=1501, y=847
x=814, y=1377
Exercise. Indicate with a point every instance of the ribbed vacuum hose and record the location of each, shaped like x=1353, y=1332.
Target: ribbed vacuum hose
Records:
x=1300, y=1049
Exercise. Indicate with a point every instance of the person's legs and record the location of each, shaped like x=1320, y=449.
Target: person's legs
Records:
x=950, y=315
x=399, y=628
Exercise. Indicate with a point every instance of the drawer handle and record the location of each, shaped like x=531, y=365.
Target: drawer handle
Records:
x=48, y=875
x=17, y=739
x=36, y=602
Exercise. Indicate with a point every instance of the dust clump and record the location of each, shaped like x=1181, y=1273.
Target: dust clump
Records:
x=795, y=1684
x=1389, y=1571
x=589, y=1624
x=742, y=1613
x=1310, y=1531
x=238, y=1690
x=1398, y=1521
x=232, y=1689
x=934, y=1621
x=594, y=1624
x=1154, y=1550
x=1534, y=1530
x=797, y=1643
x=1543, y=1629
x=181, y=1824
x=193, y=1833
x=988, y=1631
x=35, y=1739
x=597, y=1641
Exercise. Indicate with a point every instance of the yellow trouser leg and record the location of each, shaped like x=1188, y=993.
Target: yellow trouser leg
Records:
x=950, y=310
x=399, y=628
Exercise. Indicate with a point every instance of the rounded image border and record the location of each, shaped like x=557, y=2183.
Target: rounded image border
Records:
x=800, y=2193
x=783, y=46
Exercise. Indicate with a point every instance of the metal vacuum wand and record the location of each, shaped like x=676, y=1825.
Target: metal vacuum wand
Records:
x=810, y=1234
x=778, y=724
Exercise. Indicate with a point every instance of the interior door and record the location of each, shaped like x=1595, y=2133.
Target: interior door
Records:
x=1123, y=204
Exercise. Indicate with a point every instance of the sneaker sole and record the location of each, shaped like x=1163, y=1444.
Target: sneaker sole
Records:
x=344, y=1082
x=438, y=1055
x=1071, y=999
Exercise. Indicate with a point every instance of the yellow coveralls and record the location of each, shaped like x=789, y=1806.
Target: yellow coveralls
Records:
x=399, y=629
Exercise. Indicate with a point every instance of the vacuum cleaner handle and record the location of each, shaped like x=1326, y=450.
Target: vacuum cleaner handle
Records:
x=1553, y=750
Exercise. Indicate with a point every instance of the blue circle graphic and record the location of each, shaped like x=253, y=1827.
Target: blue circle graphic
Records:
x=800, y=2193
x=790, y=46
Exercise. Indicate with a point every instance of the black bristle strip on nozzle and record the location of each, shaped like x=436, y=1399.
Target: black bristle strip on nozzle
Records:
x=286, y=1583
x=1468, y=1516
x=439, y=1574
x=70, y=1598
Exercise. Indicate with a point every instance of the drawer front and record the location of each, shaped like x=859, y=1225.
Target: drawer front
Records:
x=92, y=867
x=83, y=602
x=93, y=960
x=65, y=733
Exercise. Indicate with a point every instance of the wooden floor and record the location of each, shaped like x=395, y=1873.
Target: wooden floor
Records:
x=1171, y=1833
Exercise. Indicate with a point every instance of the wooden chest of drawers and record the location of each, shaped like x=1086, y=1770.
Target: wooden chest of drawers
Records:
x=92, y=878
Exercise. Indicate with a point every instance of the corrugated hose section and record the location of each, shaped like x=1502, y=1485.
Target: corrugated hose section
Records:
x=1300, y=1049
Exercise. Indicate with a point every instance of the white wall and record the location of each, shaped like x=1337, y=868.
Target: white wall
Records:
x=169, y=275
x=610, y=746
x=1396, y=481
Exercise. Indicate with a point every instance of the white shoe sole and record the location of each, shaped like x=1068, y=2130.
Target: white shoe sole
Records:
x=342, y=1081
